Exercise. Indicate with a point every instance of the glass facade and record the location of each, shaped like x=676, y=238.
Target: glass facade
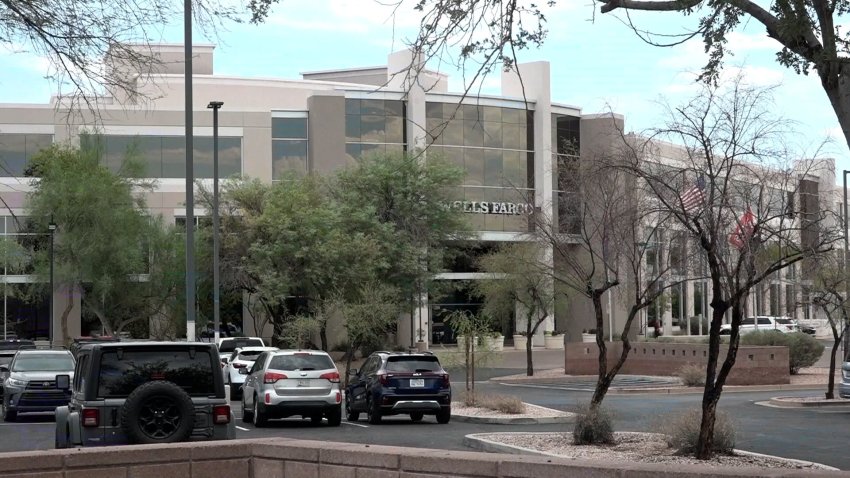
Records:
x=16, y=150
x=565, y=153
x=289, y=147
x=165, y=156
x=374, y=126
x=495, y=147
x=25, y=307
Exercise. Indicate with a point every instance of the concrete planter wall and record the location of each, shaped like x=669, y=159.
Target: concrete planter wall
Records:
x=553, y=342
x=520, y=342
x=755, y=365
x=495, y=344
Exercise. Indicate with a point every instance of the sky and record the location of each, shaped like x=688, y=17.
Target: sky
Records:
x=597, y=62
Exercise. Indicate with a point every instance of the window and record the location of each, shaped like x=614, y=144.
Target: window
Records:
x=566, y=147
x=374, y=126
x=165, y=156
x=408, y=364
x=120, y=374
x=16, y=150
x=43, y=363
x=301, y=361
x=764, y=321
x=248, y=355
x=289, y=145
x=748, y=321
x=229, y=345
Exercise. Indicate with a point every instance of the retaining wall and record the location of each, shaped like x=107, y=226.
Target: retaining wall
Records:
x=289, y=458
x=754, y=365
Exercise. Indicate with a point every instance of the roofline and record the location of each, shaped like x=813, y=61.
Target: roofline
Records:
x=365, y=69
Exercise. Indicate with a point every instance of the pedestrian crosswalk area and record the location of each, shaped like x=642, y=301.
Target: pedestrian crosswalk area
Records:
x=588, y=384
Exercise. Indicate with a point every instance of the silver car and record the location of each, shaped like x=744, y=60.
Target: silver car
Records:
x=241, y=358
x=30, y=382
x=290, y=383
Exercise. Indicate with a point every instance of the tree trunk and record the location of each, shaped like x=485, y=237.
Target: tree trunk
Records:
x=348, y=357
x=323, y=336
x=839, y=96
x=529, y=363
x=705, y=443
x=830, y=387
x=602, y=386
x=63, y=321
x=602, y=381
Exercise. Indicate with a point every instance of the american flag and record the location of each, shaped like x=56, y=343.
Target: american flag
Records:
x=693, y=198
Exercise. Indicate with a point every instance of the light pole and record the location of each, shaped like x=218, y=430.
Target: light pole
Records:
x=52, y=228
x=846, y=252
x=190, y=173
x=215, y=105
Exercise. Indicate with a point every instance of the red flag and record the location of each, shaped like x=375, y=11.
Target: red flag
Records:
x=744, y=230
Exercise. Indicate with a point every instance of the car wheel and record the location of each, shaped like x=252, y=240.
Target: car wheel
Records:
x=350, y=415
x=334, y=417
x=158, y=412
x=247, y=416
x=373, y=413
x=416, y=417
x=260, y=419
x=444, y=415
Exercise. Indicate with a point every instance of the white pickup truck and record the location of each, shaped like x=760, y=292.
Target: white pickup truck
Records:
x=763, y=322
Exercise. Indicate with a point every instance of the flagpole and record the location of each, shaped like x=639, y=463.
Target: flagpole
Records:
x=846, y=278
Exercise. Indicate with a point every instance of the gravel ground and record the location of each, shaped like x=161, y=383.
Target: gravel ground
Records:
x=531, y=411
x=631, y=448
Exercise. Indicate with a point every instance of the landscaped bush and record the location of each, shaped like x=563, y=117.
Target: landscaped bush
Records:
x=803, y=349
x=500, y=403
x=593, y=426
x=694, y=324
x=692, y=375
x=683, y=432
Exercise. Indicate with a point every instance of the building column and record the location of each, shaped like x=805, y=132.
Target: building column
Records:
x=690, y=304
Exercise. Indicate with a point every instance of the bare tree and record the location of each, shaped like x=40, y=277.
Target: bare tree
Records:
x=759, y=210
x=830, y=294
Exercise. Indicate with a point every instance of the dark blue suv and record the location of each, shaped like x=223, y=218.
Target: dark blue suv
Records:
x=399, y=384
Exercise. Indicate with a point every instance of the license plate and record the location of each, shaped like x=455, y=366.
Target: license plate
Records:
x=304, y=383
x=417, y=382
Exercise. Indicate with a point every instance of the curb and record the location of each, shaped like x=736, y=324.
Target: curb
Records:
x=781, y=402
x=671, y=390
x=475, y=442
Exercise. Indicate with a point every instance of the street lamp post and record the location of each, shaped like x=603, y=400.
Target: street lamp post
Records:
x=215, y=105
x=52, y=228
x=846, y=270
x=190, y=173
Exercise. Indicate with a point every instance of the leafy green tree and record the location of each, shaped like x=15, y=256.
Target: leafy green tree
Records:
x=101, y=236
x=829, y=292
x=400, y=200
x=517, y=277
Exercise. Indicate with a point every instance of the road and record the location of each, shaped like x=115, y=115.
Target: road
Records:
x=806, y=434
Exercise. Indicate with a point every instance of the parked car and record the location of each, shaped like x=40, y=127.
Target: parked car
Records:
x=844, y=385
x=399, y=383
x=227, y=345
x=144, y=392
x=291, y=383
x=241, y=358
x=30, y=383
x=762, y=322
x=8, y=349
x=16, y=344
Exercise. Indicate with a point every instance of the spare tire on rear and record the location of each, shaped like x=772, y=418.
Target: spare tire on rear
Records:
x=158, y=412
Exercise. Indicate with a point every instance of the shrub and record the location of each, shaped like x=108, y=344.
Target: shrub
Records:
x=692, y=375
x=593, y=426
x=694, y=324
x=803, y=350
x=683, y=432
x=342, y=346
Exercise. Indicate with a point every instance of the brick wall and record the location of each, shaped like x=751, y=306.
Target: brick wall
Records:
x=754, y=365
x=290, y=458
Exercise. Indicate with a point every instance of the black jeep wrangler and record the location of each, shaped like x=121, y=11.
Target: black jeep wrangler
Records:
x=144, y=392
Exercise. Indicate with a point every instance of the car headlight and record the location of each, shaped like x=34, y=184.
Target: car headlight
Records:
x=16, y=383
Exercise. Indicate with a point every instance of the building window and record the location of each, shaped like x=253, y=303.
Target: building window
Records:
x=565, y=152
x=374, y=127
x=774, y=300
x=165, y=156
x=16, y=151
x=289, y=145
x=495, y=147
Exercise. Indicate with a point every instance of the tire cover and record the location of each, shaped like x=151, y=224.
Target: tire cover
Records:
x=133, y=406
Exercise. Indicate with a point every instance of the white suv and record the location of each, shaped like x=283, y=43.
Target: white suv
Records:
x=241, y=358
x=763, y=322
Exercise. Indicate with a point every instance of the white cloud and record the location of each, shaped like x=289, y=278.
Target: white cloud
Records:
x=743, y=42
x=18, y=56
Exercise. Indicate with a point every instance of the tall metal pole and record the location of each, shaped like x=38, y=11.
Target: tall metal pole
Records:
x=846, y=270
x=52, y=228
x=190, y=182
x=215, y=105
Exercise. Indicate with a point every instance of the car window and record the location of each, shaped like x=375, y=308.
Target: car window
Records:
x=784, y=321
x=249, y=355
x=229, y=345
x=371, y=366
x=43, y=363
x=79, y=375
x=120, y=375
x=301, y=362
x=413, y=364
x=259, y=363
x=748, y=321
x=764, y=321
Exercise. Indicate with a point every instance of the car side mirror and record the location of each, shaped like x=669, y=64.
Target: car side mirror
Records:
x=243, y=371
x=352, y=371
x=63, y=382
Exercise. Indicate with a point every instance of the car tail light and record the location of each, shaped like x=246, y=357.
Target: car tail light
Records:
x=332, y=376
x=446, y=382
x=222, y=365
x=239, y=365
x=268, y=398
x=338, y=397
x=383, y=379
x=221, y=414
x=91, y=417
x=272, y=377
